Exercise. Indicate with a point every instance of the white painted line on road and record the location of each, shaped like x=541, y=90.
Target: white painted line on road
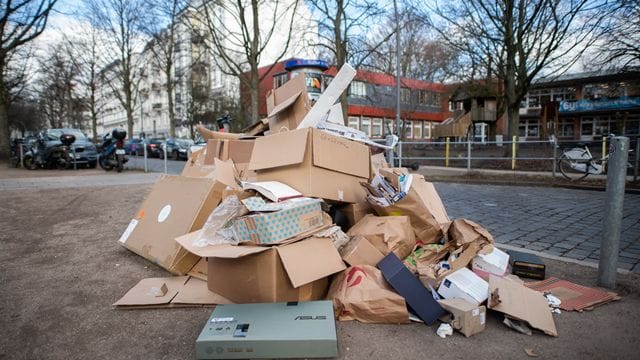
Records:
x=590, y=264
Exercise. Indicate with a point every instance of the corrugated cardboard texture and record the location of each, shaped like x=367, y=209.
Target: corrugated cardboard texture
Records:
x=329, y=168
x=288, y=105
x=195, y=166
x=311, y=259
x=469, y=319
x=359, y=251
x=355, y=212
x=520, y=302
x=387, y=233
x=262, y=277
x=176, y=206
x=237, y=150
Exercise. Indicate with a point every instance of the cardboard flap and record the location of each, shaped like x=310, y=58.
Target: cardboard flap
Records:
x=279, y=150
x=195, y=291
x=329, y=150
x=226, y=172
x=146, y=291
x=284, y=105
x=309, y=260
x=218, y=251
x=520, y=302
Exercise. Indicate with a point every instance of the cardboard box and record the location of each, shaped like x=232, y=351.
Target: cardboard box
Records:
x=249, y=274
x=295, y=217
x=468, y=318
x=195, y=166
x=355, y=212
x=228, y=149
x=359, y=251
x=495, y=262
x=176, y=206
x=313, y=162
x=418, y=298
x=288, y=105
x=522, y=303
x=464, y=284
x=527, y=265
x=387, y=233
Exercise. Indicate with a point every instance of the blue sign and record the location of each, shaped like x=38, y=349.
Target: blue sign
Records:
x=599, y=104
x=298, y=63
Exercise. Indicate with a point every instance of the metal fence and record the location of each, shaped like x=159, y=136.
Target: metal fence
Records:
x=514, y=155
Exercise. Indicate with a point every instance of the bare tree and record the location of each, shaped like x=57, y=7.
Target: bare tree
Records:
x=25, y=115
x=56, y=87
x=162, y=27
x=120, y=21
x=343, y=27
x=83, y=47
x=20, y=23
x=422, y=55
x=518, y=40
x=240, y=33
x=620, y=45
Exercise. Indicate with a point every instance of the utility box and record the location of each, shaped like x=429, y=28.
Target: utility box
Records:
x=269, y=330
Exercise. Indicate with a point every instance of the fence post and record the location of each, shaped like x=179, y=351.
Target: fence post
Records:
x=164, y=151
x=22, y=155
x=610, y=243
x=604, y=147
x=637, y=158
x=555, y=157
x=144, y=152
x=399, y=153
x=468, y=155
x=75, y=163
x=513, y=152
x=446, y=153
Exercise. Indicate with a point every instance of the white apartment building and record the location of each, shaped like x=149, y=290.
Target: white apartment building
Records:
x=196, y=69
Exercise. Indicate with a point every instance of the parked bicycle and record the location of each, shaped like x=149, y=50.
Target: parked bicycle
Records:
x=577, y=163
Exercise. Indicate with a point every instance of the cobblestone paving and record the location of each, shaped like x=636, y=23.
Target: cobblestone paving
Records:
x=555, y=221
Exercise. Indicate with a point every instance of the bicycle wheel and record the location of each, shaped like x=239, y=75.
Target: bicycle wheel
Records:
x=573, y=169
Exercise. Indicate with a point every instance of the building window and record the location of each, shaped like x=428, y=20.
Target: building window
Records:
x=376, y=128
x=428, y=98
x=423, y=97
x=417, y=129
x=358, y=89
x=389, y=127
x=354, y=122
x=405, y=95
x=279, y=80
x=365, y=126
x=426, y=130
x=586, y=126
x=408, y=129
x=529, y=129
x=565, y=128
x=632, y=126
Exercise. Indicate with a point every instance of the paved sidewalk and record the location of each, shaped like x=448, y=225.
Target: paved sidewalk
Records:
x=61, y=182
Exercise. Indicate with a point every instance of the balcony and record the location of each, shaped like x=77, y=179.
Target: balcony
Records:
x=483, y=115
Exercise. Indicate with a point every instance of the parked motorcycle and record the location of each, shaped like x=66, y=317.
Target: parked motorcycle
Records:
x=45, y=153
x=112, y=153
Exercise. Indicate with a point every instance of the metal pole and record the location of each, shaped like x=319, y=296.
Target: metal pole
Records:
x=610, y=244
x=468, y=155
x=399, y=153
x=395, y=11
x=75, y=163
x=637, y=158
x=22, y=156
x=144, y=145
x=513, y=153
x=164, y=150
x=555, y=156
x=446, y=153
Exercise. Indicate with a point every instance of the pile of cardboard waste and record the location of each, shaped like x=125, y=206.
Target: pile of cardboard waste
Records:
x=310, y=210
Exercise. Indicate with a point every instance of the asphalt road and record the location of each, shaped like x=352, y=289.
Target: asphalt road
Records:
x=61, y=268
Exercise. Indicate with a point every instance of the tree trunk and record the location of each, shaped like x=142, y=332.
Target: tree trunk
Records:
x=5, y=144
x=172, y=115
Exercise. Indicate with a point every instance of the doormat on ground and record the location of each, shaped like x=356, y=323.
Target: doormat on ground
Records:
x=574, y=297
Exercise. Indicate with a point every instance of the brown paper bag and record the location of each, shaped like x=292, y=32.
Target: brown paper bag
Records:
x=361, y=293
x=387, y=233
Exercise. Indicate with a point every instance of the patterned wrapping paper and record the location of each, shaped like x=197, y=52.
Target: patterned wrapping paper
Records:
x=274, y=226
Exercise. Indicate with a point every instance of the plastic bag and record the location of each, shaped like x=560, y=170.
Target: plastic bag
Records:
x=215, y=231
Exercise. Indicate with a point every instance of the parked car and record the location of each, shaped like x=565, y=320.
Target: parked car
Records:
x=134, y=146
x=153, y=147
x=176, y=148
x=83, y=151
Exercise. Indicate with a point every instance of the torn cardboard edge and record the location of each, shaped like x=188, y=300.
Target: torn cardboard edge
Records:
x=520, y=302
x=168, y=292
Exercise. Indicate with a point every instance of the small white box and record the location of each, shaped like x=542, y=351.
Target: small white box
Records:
x=464, y=284
x=495, y=262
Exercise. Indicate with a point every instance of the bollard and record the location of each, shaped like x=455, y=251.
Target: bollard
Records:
x=604, y=147
x=555, y=157
x=446, y=153
x=610, y=244
x=513, y=152
x=164, y=150
x=146, y=169
x=468, y=155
